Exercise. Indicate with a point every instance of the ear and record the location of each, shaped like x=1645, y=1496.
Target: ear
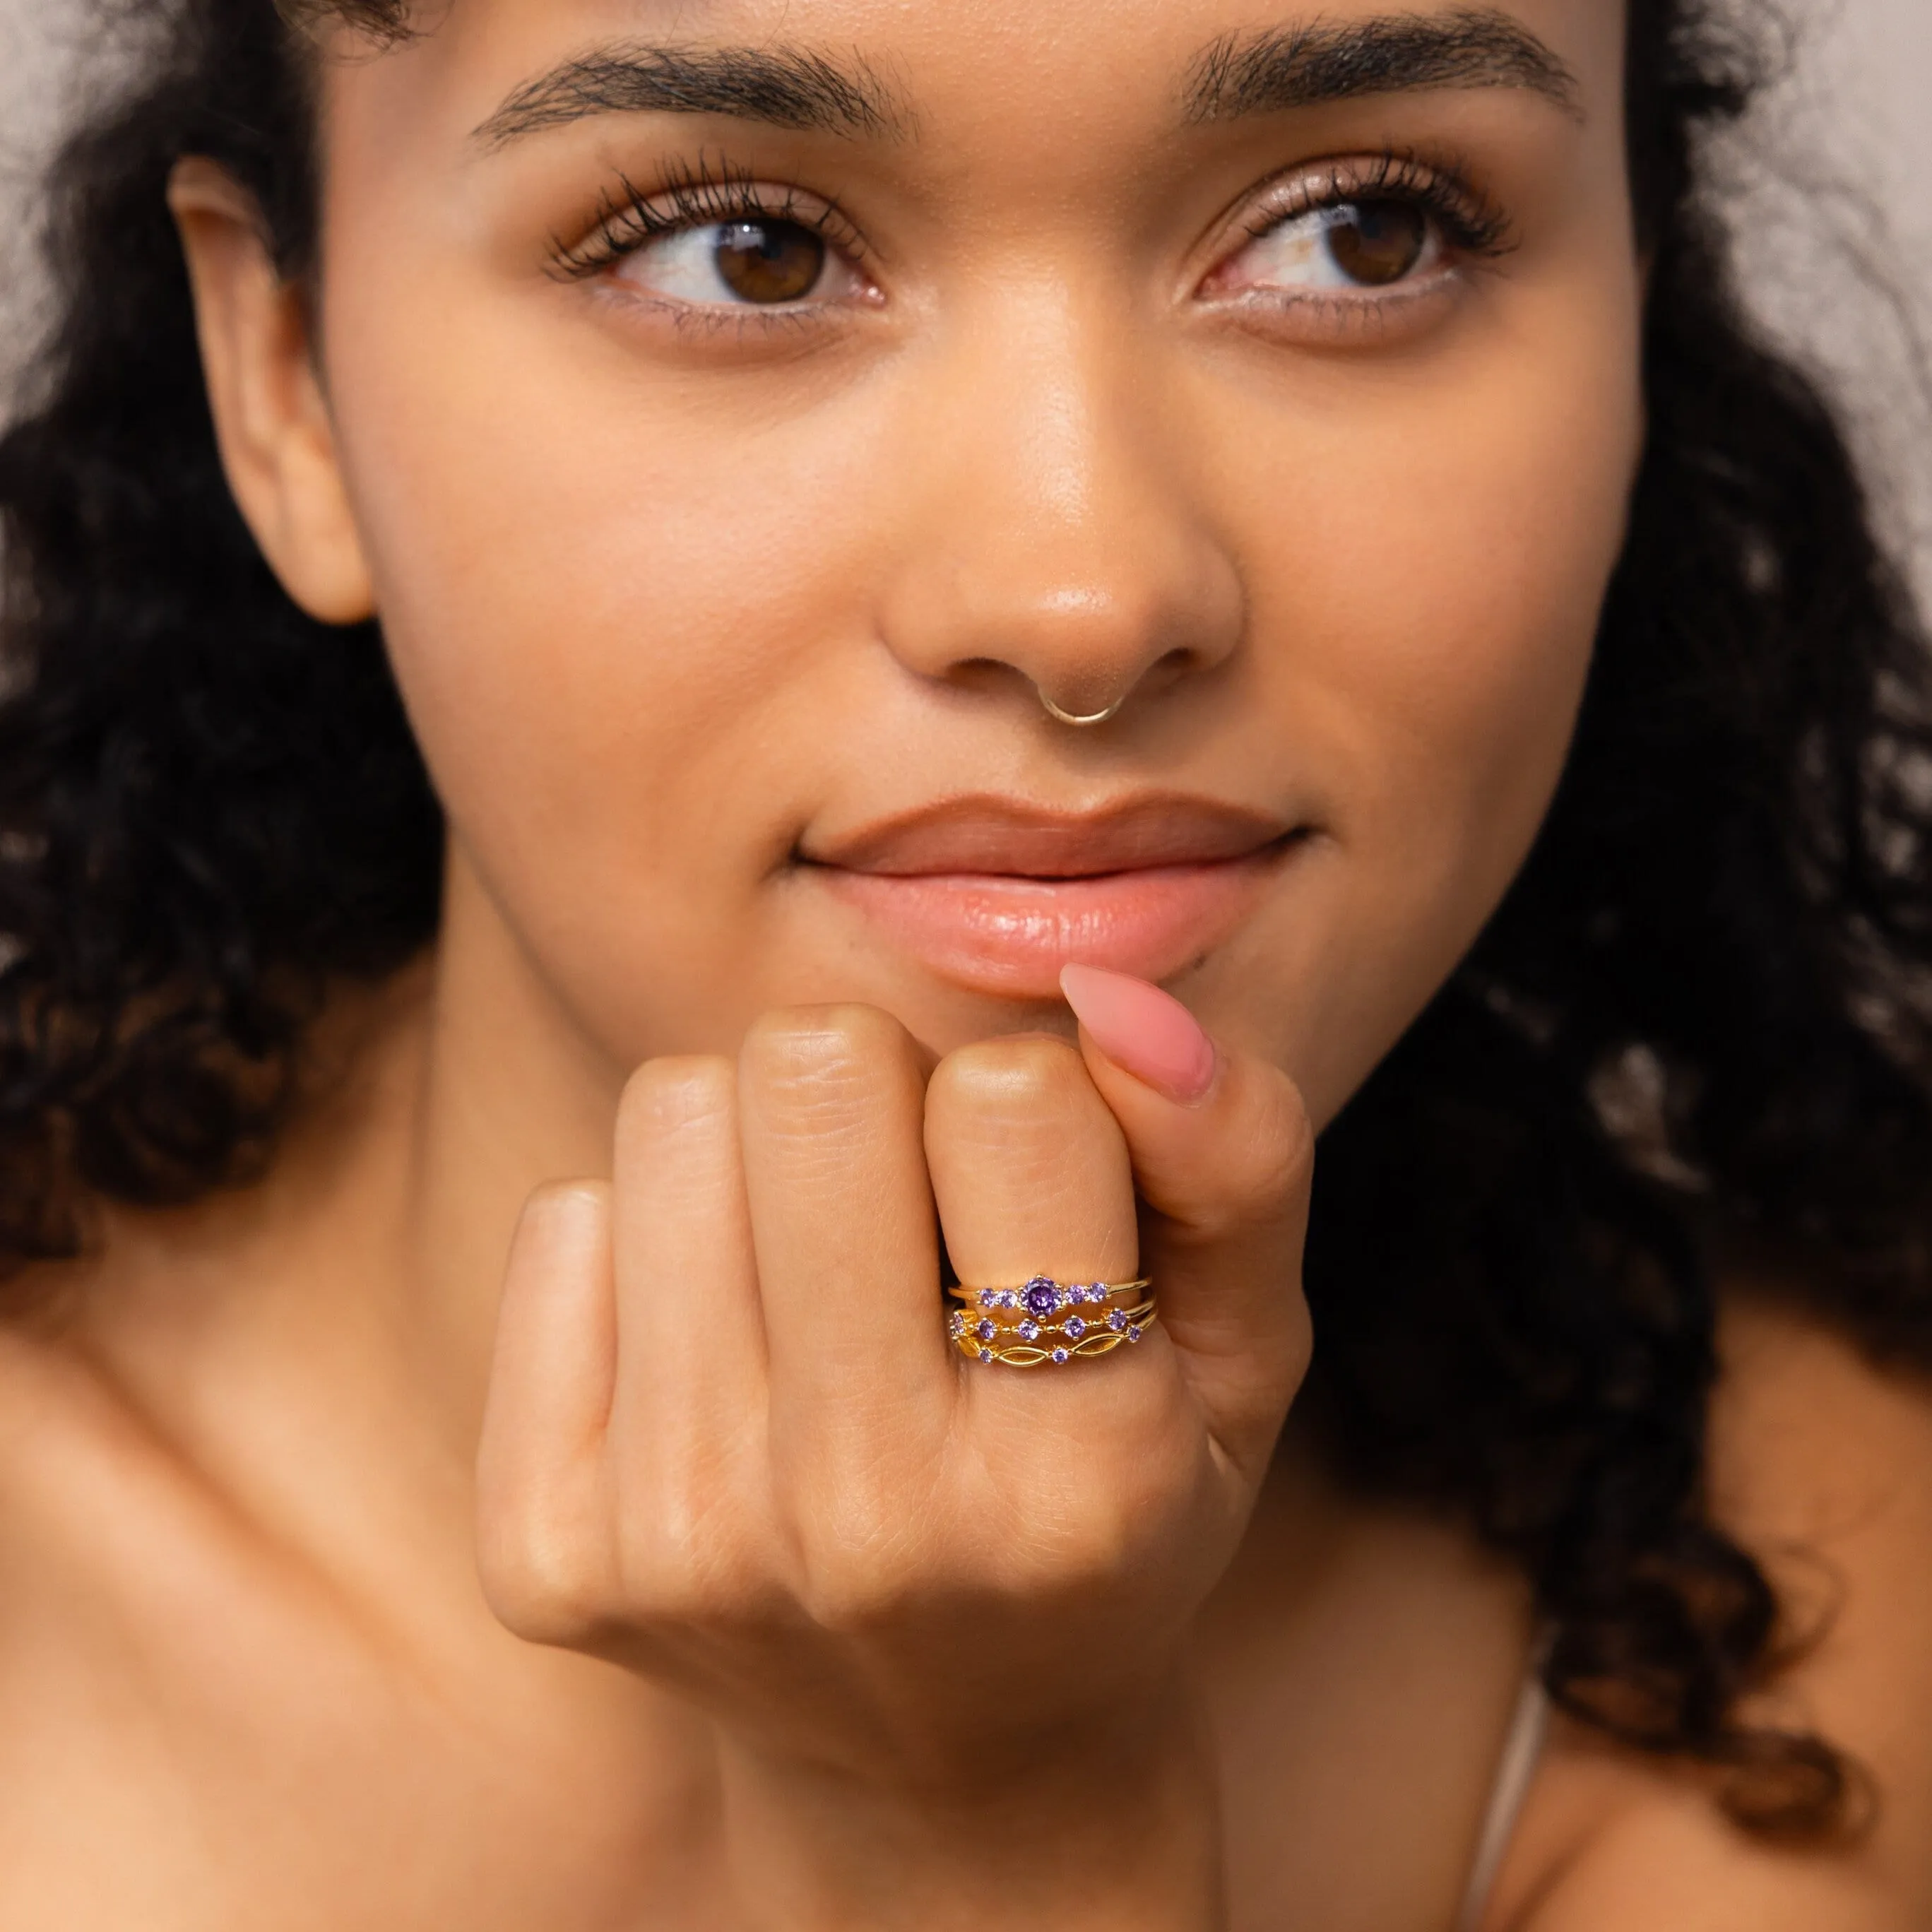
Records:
x=271, y=420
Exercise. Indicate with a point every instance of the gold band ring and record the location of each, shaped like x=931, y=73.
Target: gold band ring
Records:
x=1042, y=1297
x=1044, y=1321
x=1030, y=1346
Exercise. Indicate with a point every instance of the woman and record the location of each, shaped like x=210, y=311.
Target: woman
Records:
x=895, y=530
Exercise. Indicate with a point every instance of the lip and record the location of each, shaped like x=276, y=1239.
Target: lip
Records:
x=997, y=896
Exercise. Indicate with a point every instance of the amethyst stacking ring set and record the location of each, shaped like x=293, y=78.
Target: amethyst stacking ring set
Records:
x=1046, y=1323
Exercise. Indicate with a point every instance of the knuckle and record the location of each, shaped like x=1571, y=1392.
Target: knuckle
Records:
x=677, y=1133
x=549, y=1195
x=860, y=1568
x=544, y=1582
x=666, y=1098
x=1015, y=1081
x=1071, y=1553
x=823, y=1066
x=855, y=1598
x=804, y=1042
x=1265, y=1176
x=693, y=1555
x=664, y=1591
x=1084, y=1545
x=549, y=1212
x=1108, y=1550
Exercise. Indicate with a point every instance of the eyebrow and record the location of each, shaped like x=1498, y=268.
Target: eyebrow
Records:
x=783, y=87
x=1317, y=63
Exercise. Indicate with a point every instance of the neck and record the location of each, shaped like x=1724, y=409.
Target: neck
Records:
x=513, y=1093
x=349, y=1298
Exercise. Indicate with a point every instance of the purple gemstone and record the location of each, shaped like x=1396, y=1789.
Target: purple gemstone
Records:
x=1076, y=1328
x=989, y=1297
x=1077, y=1295
x=1006, y=1298
x=1117, y=1322
x=1060, y=1357
x=985, y=1355
x=987, y=1332
x=1134, y=1333
x=1029, y=1331
x=955, y=1323
x=1041, y=1297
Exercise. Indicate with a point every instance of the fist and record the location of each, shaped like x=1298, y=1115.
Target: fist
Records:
x=730, y=1445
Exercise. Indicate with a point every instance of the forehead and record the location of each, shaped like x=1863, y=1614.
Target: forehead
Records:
x=497, y=71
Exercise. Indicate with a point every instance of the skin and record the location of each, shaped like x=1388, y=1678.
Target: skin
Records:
x=756, y=1607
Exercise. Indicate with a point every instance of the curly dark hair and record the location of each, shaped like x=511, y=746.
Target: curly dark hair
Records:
x=1698, y=1019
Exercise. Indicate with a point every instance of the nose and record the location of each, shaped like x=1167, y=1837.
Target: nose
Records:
x=1057, y=548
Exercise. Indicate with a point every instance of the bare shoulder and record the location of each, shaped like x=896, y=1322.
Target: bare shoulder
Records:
x=106, y=1548
x=148, y=1642
x=1821, y=1464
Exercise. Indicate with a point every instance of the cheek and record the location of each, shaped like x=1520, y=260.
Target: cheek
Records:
x=1463, y=555
x=597, y=593
x=1432, y=581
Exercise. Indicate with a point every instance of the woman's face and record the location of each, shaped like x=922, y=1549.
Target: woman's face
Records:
x=749, y=408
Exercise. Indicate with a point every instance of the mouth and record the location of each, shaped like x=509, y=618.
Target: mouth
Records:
x=997, y=897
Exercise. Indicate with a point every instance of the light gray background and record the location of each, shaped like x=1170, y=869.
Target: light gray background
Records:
x=1838, y=168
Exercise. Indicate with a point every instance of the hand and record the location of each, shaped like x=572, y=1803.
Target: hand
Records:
x=929, y=1603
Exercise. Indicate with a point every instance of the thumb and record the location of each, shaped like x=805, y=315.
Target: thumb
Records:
x=1223, y=1156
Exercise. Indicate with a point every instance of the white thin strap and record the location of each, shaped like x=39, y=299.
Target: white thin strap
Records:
x=1521, y=1751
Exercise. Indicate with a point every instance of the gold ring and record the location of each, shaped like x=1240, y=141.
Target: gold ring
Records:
x=1042, y=1296
x=1029, y=1345
x=1046, y=1321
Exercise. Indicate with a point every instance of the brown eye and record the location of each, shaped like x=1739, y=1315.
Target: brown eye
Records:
x=1349, y=248
x=768, y=261
x=1376, y=243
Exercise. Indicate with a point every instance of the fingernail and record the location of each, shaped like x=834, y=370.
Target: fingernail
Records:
x=1148, y=1033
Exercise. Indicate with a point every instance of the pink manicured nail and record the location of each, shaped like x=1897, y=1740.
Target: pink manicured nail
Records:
x=1139, y=1028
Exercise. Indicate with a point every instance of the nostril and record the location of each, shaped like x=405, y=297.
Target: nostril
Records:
x=1184, y=661
x=1094, y=707
x=1089, y=644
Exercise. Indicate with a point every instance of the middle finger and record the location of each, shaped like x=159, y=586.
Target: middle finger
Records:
x=1034, y=1178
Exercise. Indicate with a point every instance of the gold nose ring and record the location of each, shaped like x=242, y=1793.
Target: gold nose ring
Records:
x=1080, y=723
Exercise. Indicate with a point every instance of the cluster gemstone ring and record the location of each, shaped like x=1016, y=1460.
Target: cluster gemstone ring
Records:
x=1045, y=1323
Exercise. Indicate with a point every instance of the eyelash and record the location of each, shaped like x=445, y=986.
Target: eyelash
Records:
x=698, y=194
x=693, y=195
x=1471, y=224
